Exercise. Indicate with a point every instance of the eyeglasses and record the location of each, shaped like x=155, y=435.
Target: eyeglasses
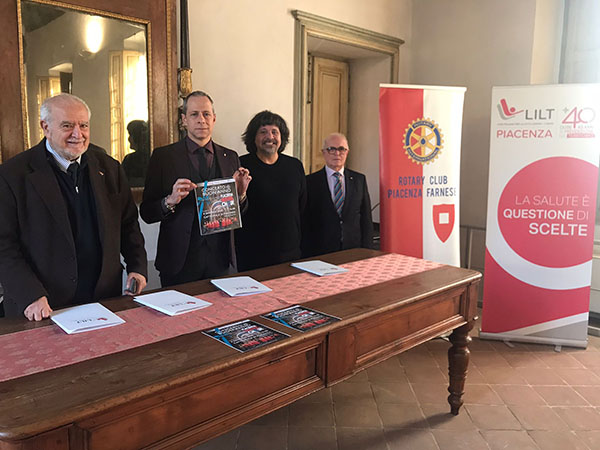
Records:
x=332, y=150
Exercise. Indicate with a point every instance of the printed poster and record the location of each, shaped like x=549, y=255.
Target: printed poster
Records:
x=419, y=163
x=245, y=335
x=544, y=150
x=300, y=318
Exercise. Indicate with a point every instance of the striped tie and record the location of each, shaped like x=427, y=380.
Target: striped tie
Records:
x=338, y=193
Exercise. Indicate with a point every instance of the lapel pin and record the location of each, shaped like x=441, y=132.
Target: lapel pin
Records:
x=101, y=173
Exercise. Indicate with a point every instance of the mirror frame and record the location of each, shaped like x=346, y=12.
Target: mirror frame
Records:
x=157, y=15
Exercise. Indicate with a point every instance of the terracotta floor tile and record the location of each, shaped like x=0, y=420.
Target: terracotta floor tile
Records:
x=438, y=416
x=580, y=418
x=560, y=396
x=486, y=417
x=590, y=393
x=441, y=359
x=311, y=415
x=362, y=415
x=430, y=393
x=556, y=360
x=518, y=395
x=393, y=393
x=352, y=392
x=426, y=375
x=479, y=345
x=418, y=360
x=253, y=437
x=556, y=440
x=459, y=440
x=410, y=439
x=579, y=377
x=402, y=416
x=534, y=417
x=389, y=370
x=311, y=438
x=481, y=394
x=278, y=418
x=438, y=345
x=227, y=441
x=509, y=440
x=360, y=438
x=474, y=376
x=591, y=438
x=540, y=376
x=358, y=377
x=524, y=359
x=493, y=375
x=488, y=359
x=589, y=359
x=322, y=396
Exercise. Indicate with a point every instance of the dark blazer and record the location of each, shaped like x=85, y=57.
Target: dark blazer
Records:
x=323, y=230
x=37, y=251
x=167, y=164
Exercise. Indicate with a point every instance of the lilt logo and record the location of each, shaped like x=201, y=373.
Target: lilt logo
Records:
x=507, y=112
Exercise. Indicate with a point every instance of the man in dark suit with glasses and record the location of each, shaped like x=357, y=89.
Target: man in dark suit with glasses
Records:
x=338, y=212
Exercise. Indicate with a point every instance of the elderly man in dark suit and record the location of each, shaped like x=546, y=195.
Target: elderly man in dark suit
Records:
x=66, y=214
x=183, y=255
x=338, y=212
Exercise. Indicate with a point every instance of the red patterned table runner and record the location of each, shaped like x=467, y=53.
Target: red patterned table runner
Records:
x=23, y=355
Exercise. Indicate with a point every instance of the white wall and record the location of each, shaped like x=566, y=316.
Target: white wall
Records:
x=477, y=44
x=363, y=121
x=242, y=52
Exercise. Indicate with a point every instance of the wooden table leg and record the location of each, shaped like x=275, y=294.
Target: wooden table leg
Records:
x=458, y=360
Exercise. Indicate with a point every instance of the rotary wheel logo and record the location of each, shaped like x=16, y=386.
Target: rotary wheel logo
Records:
x=423, y=141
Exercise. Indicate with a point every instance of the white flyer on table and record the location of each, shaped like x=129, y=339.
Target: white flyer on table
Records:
x=171, y=302
x=318, y=267
x=238, y=286
x=91, y=316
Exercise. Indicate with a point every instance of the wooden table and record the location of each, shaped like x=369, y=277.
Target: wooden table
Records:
x=182, y=391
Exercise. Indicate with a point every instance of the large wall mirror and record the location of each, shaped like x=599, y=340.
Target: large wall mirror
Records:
x=118, y=55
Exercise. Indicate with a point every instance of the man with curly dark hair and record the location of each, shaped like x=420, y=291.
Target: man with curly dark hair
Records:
x=271, y=230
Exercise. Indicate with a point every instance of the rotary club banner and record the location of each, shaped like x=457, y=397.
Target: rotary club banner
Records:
x=419, y=165
x=544, y=149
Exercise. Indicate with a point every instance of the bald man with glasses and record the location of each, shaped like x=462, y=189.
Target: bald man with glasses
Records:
x=338, y=212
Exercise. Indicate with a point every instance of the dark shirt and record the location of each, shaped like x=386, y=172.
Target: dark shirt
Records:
x=83, y=219
x=193, y=148
x=271, y=231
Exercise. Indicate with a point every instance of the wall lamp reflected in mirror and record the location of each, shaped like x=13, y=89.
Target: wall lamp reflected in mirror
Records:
x=94, y=33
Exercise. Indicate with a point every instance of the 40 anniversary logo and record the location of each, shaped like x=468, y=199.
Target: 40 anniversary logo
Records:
x=423, y=141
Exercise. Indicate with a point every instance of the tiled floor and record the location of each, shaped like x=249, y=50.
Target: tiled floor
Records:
x=522, y=397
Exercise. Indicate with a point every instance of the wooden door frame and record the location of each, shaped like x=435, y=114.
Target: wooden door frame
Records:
x=310, y=25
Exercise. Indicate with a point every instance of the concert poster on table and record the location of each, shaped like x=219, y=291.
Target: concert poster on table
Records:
x=300, y=318
x=218, y=206
x=245, y=335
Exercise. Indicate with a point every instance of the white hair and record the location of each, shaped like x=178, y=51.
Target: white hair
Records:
x=46, y=108
x=340, y=135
